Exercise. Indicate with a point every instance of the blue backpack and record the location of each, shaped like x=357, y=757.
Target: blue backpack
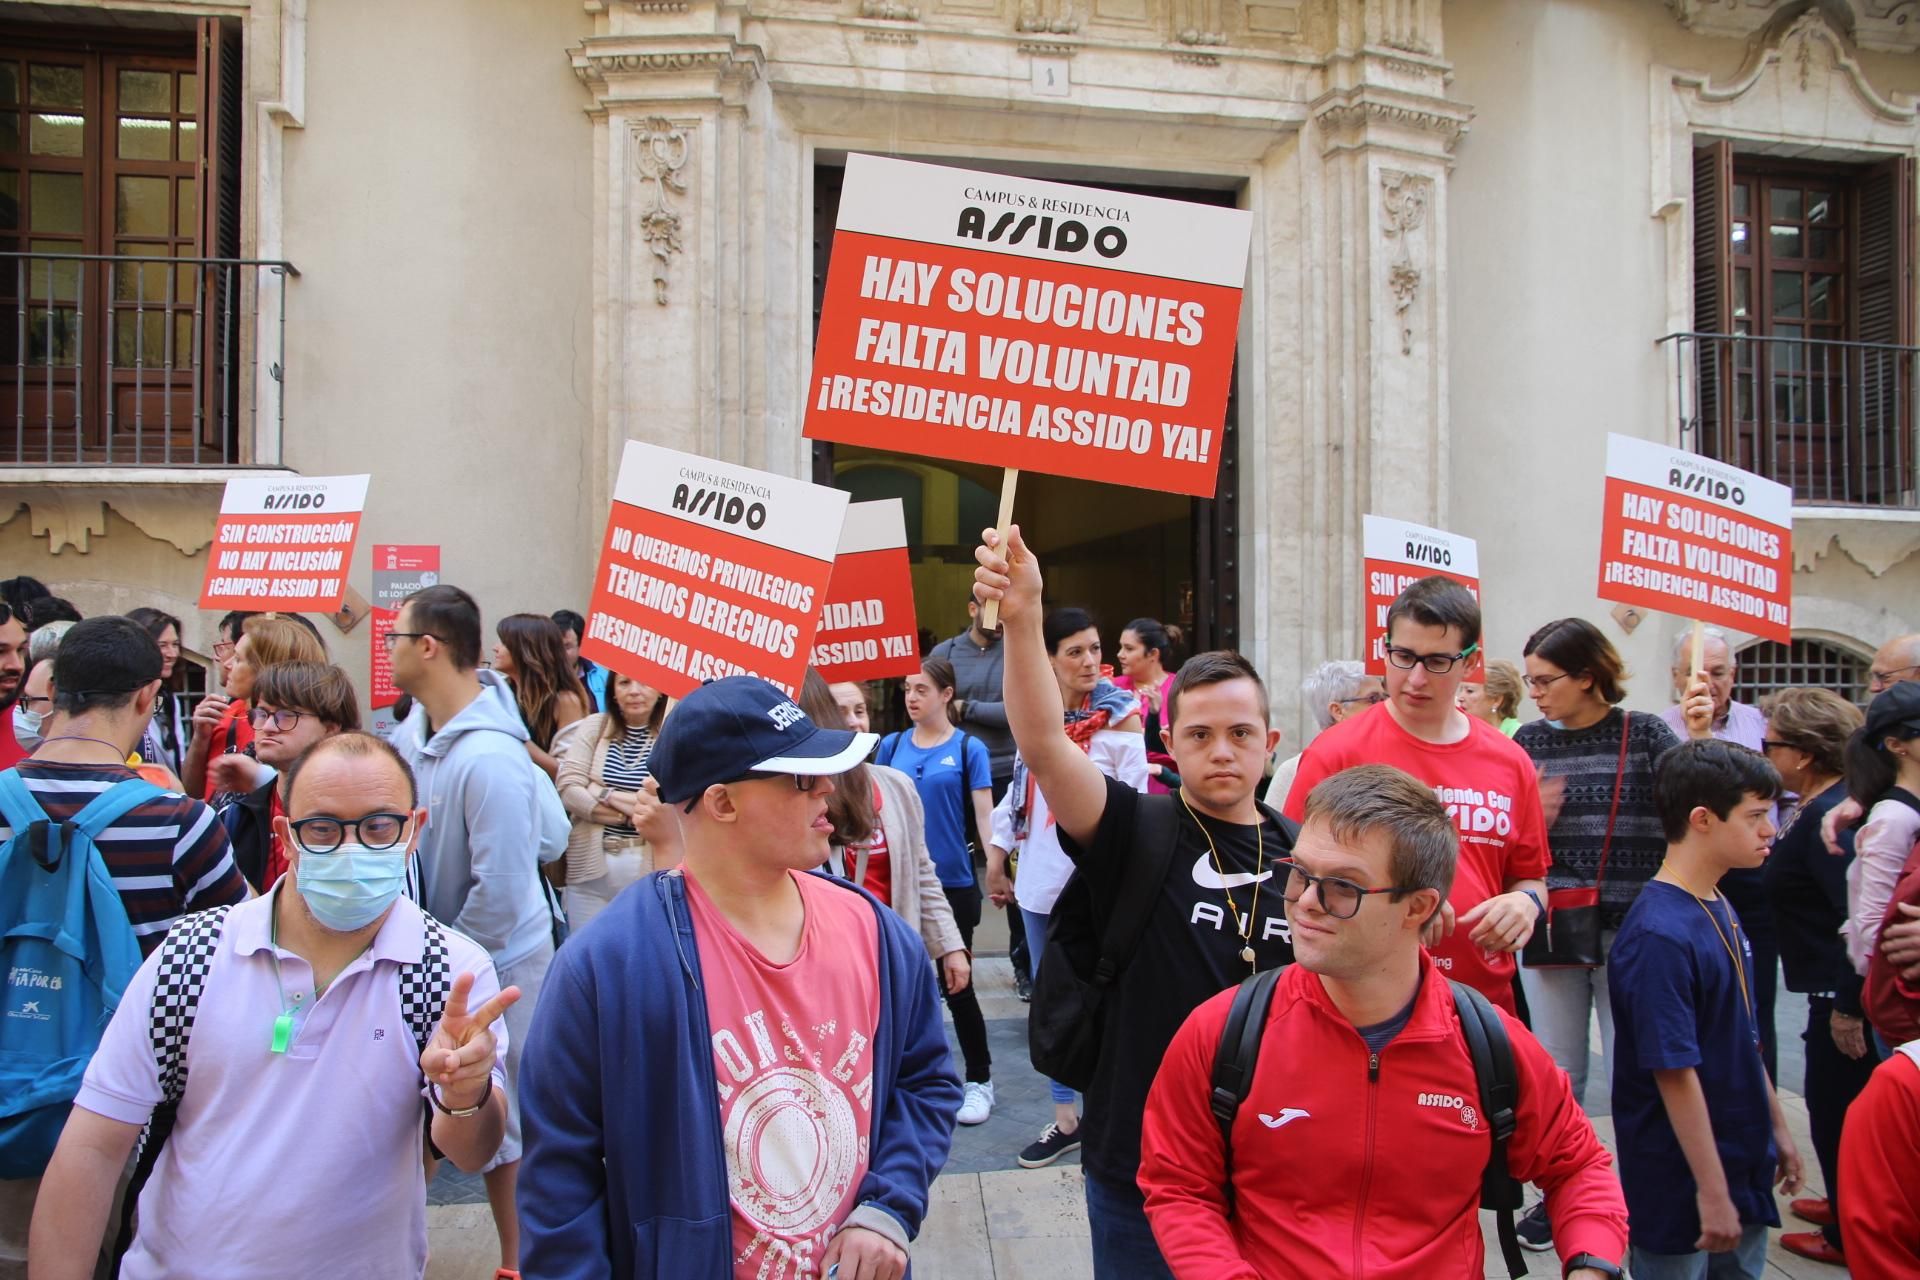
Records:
x=69, y=952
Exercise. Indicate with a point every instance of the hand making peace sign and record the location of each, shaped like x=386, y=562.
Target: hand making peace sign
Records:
x=458, y=1060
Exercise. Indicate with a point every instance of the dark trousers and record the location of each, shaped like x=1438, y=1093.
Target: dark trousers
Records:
x=1833, y=1081
x=969, y=1024
x=1017, y=950
x=1123, y=1243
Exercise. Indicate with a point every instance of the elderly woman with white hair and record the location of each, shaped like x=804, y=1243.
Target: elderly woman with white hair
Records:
x=1332, y=691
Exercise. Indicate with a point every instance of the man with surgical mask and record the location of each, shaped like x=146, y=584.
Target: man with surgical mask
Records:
x=33, y=711
x=305, y=1074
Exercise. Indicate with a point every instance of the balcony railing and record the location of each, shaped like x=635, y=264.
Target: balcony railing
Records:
x=140, y=361
x=1833, y=421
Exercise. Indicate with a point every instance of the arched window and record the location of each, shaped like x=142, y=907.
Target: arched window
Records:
x=1767, y=665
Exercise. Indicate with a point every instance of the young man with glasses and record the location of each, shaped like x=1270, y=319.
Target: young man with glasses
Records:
x=306, y=1082
x=1359, y=1145
x=1203, y=858
x=739, y=1068
x=1486, y=782
x=494, y=817
x=295, y=705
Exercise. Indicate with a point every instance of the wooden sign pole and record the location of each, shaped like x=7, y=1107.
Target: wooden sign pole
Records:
x=990, y=611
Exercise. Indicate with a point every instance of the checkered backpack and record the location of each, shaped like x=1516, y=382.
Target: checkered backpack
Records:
x=187, y=954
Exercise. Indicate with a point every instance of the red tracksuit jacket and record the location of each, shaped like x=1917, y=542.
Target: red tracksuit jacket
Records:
x=1349, y=1163
x=1880, y=1168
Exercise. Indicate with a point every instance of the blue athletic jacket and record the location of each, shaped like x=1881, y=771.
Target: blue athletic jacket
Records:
x=624, y=1173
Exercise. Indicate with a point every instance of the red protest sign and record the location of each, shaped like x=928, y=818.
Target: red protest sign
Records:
x=1398, y=554
x=710, y=570
x=284, y=543
x=867, y=629
x=1029, y=325
x=398, y=572
x=1697, y=538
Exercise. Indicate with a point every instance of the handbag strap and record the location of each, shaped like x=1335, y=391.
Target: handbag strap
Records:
x=1613, y=810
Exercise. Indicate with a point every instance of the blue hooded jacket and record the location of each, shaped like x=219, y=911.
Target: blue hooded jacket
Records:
x=624, y=1172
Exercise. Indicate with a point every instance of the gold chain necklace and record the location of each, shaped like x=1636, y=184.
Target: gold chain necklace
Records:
x=1733, y=954
x=1243, y=924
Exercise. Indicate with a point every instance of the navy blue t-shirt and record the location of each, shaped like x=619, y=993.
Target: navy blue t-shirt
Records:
x=946, y=787
x=1677, y=1003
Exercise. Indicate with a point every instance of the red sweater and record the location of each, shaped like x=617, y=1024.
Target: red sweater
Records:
x=1880, y=1168
x=1351, y=1164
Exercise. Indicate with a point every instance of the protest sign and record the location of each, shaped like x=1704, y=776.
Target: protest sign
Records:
x=398, y=572
x=1398, y=554
x=1697, y=538
x=867, y=629
x=1029, y=325
x=710, y=570
x=284, y=543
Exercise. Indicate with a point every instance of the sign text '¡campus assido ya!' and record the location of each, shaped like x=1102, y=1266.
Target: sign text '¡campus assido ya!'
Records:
x=1029, y=325
x=284, y=543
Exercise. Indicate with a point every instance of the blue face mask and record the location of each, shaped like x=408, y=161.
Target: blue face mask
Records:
x=1557, y=724
x=349, y=888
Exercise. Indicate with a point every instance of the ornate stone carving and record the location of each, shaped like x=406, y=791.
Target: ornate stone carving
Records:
x=661, y=150
x=1047, y=17
x=71, y=514
x=1403, y=198
x=1447, y=120
x=1402, y=26
x=1885, y=26
x=1197, y=23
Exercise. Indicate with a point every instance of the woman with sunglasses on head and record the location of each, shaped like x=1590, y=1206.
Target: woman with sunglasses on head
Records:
x=532, y=656
x=1146, y=650
x=1596, y=764
x=603, y=782
x=295, y=705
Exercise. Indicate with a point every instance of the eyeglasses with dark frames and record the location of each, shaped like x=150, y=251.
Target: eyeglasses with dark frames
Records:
x=392, y=638
x=283, y=720
x=1436, y=663
x=1768, y=744
x=801, y=782
x=1539, y=684
x=375, y=831
x=1373, y=699
x=1339, y=897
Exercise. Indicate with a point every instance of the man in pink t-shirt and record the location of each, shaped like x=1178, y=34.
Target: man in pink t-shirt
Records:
x=739, y=1068
x=1487, y=783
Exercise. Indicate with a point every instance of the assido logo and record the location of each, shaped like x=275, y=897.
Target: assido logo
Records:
x=1451, y=1102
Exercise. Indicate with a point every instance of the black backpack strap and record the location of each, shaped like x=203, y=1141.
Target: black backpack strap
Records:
x=1499, y=1089
x=1156, y=829
x=1235, y=1058
x=1903, y=796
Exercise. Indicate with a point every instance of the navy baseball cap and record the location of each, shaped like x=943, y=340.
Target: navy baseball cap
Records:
x=727, y=729
x=1894, y=713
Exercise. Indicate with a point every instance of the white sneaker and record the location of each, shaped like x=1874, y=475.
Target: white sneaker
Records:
x=976, y=1104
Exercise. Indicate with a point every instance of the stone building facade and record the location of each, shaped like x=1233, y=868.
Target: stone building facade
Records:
x=527, y=230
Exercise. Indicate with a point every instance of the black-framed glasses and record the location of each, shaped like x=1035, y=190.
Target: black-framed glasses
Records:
x=1768, y=744
x=394, y=637
x=1540, y=684
x=283, y=720
x=801, y=782
x=1373, y=699
x=1436, y=663
x=375, y=831
x=29, y=700
x=1339, y=898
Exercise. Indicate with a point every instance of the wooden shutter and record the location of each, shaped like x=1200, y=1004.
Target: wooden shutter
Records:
x=218, y=173
x=1883, y=314
x=1712, y=298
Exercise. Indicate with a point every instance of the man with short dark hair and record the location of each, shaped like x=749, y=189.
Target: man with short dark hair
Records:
x=13, y=672
x=739, y=1069
x=494, y=818
x=1486, y=782
x=1358, y=1146
x=1214, y=917
x=1689, y=1088
x=167, y=855
x=573, y=628
x=303, y=1075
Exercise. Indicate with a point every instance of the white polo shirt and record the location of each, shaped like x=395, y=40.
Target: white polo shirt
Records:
x=306, y=1162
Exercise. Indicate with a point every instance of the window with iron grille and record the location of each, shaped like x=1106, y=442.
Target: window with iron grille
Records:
x=1767, y=666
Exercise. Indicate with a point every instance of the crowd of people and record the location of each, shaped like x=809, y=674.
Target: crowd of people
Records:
x=673, y=977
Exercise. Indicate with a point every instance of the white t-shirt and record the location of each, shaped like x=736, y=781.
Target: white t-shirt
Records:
x=295, y=1163
x=1044, y=866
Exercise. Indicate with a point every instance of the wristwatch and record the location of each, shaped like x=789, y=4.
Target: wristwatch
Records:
x=459, y=1113
x=1593, y=1262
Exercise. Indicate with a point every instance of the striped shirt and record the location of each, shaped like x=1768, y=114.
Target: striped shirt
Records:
x=167, y=857
x=626, y=768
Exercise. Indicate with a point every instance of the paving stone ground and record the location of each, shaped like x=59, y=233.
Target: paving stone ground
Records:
x=991, y=1220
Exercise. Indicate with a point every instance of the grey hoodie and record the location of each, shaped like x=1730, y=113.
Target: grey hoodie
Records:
x=492, y=818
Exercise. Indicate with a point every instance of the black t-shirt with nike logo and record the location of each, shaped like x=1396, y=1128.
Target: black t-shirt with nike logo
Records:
x=1189, y=951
